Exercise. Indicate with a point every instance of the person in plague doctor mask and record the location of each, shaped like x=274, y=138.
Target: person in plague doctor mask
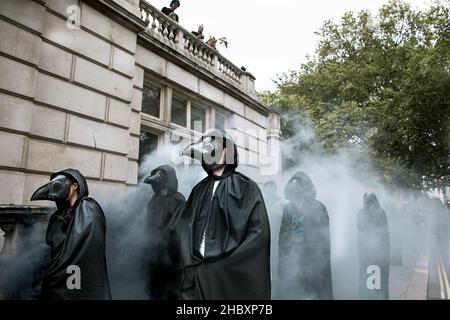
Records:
x=304, y=267
x=224, y=233
x=76, y=236
x=163, y=211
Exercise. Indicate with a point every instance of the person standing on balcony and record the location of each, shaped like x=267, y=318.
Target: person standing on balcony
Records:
x=224, y=232
x=171, y=11
x=212, y=43
x=199, y=33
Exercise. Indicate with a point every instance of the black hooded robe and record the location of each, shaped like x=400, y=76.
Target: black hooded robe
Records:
x=304, y=268
x=235, y=264
x=163, y=212
x=373, y=248
x=77, y=238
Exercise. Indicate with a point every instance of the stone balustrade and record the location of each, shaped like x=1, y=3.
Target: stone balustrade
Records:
x=169, y=32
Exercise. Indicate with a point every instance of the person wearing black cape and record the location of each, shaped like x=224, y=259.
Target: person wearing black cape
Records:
x=163, y=211
x=76, y=236
x=304, y=268
x=224, y=233
x=373, y=250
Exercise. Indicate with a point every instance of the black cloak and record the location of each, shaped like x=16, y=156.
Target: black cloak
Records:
x=373, y=248
x=77, y=238
x=236, y=262
x=163, y=211
x=304, y=268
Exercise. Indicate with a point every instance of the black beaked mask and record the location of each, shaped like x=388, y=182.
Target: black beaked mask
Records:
x=57, y=190
x=208, y=151
x=158, y=181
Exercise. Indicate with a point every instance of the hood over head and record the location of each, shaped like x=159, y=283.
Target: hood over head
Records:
x=163, y=177
x=58, y=189
x=300, y=187
x=75, y=176
x=371, y=201
x=270, y=188
x=208, y=149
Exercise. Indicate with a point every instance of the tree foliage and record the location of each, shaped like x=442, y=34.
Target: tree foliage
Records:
x=381, y=82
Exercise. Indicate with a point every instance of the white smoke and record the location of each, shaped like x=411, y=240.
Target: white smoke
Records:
x=341, y=181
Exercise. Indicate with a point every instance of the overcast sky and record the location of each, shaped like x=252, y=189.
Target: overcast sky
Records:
x=268, y=37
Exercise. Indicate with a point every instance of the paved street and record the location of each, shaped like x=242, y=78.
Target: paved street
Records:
x=424, y=273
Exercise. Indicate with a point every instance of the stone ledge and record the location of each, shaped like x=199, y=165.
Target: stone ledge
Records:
x=25, y=212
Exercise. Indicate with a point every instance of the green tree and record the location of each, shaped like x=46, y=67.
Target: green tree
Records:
x=383, y=83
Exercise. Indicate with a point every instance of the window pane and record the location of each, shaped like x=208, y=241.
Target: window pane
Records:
x=179, y=112
x=198, y=119
x=148, y=143
x=175, y=139
x=220, y=121
x=151, y=98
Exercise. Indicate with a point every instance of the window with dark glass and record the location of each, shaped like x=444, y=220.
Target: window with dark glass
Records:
x=220, y=121
x=148, y=143
x=179, y=115
x=151, y=97
x=175, y=139
x=198, y=119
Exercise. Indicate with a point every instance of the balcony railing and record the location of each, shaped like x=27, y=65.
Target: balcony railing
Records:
x=169, y=32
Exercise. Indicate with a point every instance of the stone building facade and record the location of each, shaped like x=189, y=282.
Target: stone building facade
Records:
x=97, y=84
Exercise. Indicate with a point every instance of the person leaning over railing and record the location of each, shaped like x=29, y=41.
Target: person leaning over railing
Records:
x=199, y=33
x=174, y=4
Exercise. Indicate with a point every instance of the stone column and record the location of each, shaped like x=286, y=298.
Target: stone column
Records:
x=248, y=84
x=273, y=141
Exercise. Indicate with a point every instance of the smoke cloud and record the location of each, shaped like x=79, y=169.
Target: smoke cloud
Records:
x=339, y=178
